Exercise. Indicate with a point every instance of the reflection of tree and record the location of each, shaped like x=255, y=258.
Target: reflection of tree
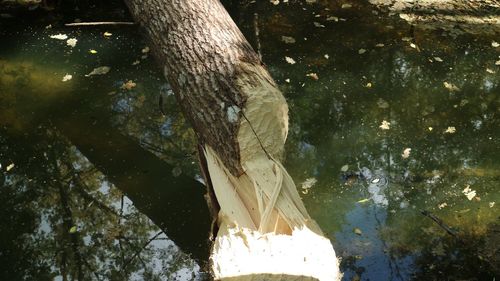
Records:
x=72, y=219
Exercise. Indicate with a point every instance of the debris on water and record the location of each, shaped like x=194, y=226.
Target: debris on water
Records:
x=450, y=130
x=107, y=34
x=67, y=77
x=288, y=39
x=361, y=51
x=287, y=80
x=413, y=45
x=101, y=70
x=430, y=129
x=346, y=6
x=385, y=125
x=290, y=60
x=442, y=205
x=92, y=51
x=357, y=231
x=379, y=45
x=364, y=200
x=491, y=204
x=376, y=180
x=145, y=50
x=71, y=42
x=326, y=56
x=59, y=36
x=438, y=59
x=368, y=85
x=469, y=193
x=495, y=44
x=406, y=153
x=489, y=70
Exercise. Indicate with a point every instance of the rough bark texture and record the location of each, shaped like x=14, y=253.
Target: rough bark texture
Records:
x=201, y=49
x=241, y=120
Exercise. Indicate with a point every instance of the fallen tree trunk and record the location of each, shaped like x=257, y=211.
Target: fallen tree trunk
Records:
x=241, y=121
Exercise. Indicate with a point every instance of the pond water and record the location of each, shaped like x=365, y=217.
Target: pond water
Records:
x=394, y=146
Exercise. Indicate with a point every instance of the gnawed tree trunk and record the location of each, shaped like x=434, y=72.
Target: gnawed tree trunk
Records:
x=241, y=121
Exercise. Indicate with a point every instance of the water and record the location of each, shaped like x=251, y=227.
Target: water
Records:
x=89, y=168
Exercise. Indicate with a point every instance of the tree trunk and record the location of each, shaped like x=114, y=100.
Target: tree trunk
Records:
x=241, y=121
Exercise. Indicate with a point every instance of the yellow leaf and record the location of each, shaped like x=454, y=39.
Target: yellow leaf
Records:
x=73, y=229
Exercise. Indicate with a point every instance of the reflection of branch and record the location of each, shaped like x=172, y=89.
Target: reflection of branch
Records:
x=87, y=196
x=141, y=249
x=439, y=222
x=67, y=215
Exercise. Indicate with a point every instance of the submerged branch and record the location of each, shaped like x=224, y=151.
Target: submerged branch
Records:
x=439, y=222
x=99, y=23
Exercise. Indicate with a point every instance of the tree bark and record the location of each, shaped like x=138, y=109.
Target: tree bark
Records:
x=241, y=121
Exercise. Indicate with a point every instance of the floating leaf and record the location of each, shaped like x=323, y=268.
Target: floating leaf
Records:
x=406, y=153
x=71, y=42
x=59, y=36
x=451, y=87
x=313, y=75
x=450, y=130
x=99, y=71
x=73, y=229
x=358, y=231
x=129, y=85
x=344, y=168
x=289, y=60
x=438, y=59
x=364, y=200
x=67, y=77
x=9, y=167
x=288, y=39
x=308, y=183
x=469, y=193
x=317, y=24
x=385, y=125
x=92, y=51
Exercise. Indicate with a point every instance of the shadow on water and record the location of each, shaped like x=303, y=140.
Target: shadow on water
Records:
x=93, y=173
